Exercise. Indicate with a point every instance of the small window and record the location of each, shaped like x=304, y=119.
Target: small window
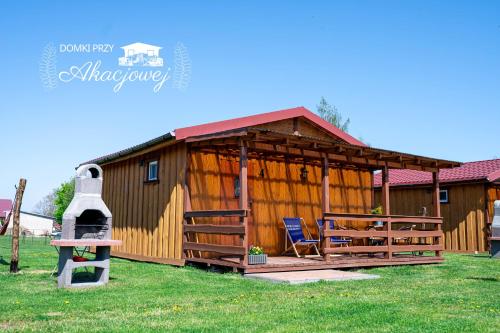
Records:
x=152, y=171
x=443, y=196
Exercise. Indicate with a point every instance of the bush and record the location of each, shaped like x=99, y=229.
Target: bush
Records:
x=64, y=195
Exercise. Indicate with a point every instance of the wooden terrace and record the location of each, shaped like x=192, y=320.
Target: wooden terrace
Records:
x=377, y=240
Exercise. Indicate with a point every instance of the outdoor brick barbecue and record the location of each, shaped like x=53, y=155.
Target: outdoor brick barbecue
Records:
x=86, y=222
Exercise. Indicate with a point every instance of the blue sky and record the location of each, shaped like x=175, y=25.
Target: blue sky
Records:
x=421, y=77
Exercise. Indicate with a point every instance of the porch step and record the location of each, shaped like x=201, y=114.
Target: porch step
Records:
x=298, y=277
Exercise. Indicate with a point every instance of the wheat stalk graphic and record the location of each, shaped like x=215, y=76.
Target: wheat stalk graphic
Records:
x=182, y=71
x=47, y=67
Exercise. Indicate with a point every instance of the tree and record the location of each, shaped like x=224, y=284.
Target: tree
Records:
x=63, y=196
x=332, y=115
x=46, y=205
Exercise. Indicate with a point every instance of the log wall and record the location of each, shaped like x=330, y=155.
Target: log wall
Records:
x=147, y=217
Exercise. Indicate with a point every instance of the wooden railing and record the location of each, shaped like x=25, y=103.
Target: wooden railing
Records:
x=227, y=250
x=384, y=234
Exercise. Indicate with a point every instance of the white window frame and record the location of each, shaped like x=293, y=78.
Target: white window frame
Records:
x=446, y=199
x=151, y=163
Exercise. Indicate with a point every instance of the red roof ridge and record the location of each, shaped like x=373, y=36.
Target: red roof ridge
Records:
x=261, y=118
x=485, y=170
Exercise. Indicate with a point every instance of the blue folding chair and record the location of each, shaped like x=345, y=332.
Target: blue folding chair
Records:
x=335, y=240
x=295, y=234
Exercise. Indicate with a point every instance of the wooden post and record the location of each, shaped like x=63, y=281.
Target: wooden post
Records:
x=187, y=201
x=385, y=191
x=325, y=187
x=437, y=205
x=14, y=260
x=435, y=194
x=326, y=240
x=244, y=196
x=325, y=204
x=389, y=238
x=386, y=207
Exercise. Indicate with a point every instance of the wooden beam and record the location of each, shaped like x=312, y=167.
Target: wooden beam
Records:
x=325, y=186
x=219, y=135
x=215, y=229
x=414, y=248
x=355, y=233
x=333, y=156
x=224, y=249
x=384, y=218
x=356, y=249
x=385, y=191
x=216, y=213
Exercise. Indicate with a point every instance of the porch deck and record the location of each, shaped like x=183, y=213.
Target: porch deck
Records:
x=374, y=246
x=281, y=264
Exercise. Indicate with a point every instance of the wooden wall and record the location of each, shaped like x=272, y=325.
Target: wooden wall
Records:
x=464, y=224
x=279, y=193
x=147, y=217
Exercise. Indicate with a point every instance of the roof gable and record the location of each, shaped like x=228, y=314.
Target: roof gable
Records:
x=488, y=170
x=265, y=118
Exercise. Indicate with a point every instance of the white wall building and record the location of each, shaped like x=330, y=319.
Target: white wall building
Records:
x=33, y=224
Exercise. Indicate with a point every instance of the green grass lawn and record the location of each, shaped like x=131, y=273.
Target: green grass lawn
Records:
x=463, y=294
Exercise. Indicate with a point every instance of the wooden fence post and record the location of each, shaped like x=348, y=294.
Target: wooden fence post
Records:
x=14, y=260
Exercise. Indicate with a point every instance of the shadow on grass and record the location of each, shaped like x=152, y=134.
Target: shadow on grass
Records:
x=478, y=256
x=490, y=279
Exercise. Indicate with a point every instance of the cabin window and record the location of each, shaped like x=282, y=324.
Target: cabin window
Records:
x=152, y=171
x=443, y=196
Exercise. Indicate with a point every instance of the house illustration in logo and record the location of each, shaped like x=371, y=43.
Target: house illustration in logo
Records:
x=140, y=54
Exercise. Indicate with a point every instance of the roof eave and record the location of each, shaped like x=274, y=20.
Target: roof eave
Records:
x=129, y=151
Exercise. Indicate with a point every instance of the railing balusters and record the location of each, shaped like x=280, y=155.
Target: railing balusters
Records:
x=387, y=233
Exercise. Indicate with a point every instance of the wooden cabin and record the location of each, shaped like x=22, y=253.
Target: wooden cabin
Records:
x=206, y=193
x=467, y=194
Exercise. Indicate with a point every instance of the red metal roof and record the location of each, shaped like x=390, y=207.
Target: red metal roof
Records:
x=5, y=206
x=262, y=118
x=232, y=124
x=488, y=170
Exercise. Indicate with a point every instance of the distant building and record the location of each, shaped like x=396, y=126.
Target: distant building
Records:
x=467, y=194
x=32, y=224
x=5, y=207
